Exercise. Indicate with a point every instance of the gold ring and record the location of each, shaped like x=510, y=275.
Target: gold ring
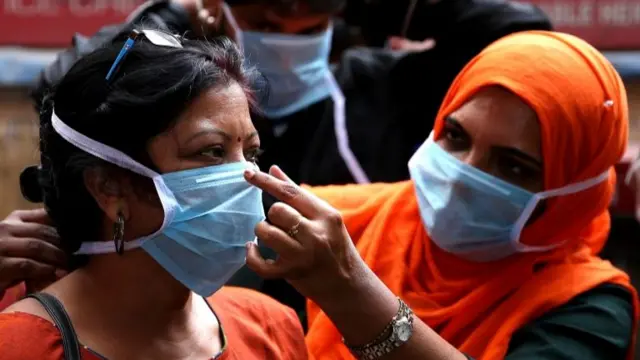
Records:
x=294, y=230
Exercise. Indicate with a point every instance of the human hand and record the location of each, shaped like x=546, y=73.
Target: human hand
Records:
x=205, y=14
x=403, y=44
x=29, y=250
x=315, y=252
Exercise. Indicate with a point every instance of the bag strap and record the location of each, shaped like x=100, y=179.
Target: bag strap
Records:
x=61, y=319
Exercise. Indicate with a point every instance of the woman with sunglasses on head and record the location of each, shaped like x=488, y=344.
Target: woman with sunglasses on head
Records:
x=143, y=149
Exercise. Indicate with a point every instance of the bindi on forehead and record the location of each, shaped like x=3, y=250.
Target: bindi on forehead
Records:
x=239, y=139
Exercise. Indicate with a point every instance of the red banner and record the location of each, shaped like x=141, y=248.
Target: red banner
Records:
x=606, y=24
x=51, y=23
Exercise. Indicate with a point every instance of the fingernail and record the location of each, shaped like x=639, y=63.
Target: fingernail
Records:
x=249, y=173
x=61, y=273
x=249, y=245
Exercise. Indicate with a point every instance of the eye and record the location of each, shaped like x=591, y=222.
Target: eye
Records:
x=253, y=155
x=454, y=139
x=216, y=152
x=515, y=171
x=453, y=134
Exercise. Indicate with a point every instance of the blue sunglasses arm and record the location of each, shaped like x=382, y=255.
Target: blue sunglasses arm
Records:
x=123, y=53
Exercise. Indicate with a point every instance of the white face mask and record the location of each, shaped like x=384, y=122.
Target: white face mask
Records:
x=472, y=214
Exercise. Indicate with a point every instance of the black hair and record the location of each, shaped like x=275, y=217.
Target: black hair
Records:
x=152, y=87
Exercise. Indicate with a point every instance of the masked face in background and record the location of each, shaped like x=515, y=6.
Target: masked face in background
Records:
x=290, y=44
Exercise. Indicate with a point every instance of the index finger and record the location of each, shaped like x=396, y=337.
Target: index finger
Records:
x=286, y=191
x=38, y=216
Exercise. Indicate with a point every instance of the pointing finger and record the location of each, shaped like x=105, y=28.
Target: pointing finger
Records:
x=285, y=191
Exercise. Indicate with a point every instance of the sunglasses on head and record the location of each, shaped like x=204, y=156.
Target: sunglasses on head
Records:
x=155, y=37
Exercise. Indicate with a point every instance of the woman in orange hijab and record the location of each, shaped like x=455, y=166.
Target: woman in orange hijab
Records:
x=494, y=241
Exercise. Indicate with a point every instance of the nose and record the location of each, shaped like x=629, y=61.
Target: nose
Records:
x=479, y=159
x=236, y=155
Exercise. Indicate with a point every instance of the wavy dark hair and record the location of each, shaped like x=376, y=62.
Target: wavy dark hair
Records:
x=152, y=87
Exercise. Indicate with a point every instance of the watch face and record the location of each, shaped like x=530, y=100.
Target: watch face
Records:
x=403, y=330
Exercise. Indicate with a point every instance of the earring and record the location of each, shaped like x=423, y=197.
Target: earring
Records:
x=118, y=234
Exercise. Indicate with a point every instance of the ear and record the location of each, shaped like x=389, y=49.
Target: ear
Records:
x=108, y=188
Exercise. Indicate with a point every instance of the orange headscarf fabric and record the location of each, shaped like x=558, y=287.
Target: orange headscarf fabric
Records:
x=581, y=105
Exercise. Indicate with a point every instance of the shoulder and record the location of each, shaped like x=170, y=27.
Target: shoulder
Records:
x=27, y=336
x=597, y=324
x=248, y=317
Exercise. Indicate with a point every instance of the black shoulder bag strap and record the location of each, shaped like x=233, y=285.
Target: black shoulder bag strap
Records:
x=60, y=317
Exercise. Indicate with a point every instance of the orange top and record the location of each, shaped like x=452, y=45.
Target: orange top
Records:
x=255, y=327
x=582, y=109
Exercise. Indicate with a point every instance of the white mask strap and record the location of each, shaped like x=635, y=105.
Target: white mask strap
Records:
x=116, y=157
x=635, y=166
x=576, y=187
x=341, y=132
x=102, y=151
x=531, y=206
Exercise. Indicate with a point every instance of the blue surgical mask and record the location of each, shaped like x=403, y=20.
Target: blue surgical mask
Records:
x=295, y=66
x=472, y=214
x=209, y=216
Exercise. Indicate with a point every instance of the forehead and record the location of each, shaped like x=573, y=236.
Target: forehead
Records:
x=497, y=116
x=225, y=107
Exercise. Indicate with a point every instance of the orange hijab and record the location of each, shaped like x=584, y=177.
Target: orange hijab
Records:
x=478, y=306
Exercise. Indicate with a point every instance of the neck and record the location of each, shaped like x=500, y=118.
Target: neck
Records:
x=132, y=289
x=139, y=306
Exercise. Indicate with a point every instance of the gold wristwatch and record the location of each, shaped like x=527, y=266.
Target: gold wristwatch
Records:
x=394, y=335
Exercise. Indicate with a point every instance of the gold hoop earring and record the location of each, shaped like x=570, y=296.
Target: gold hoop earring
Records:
x=118, y=234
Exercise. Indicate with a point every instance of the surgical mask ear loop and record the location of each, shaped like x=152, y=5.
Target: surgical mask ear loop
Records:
x=118, y=234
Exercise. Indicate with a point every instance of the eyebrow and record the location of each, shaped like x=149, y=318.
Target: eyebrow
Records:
x=453, y=122
x=517, y=153
x=509, y=150
x=219, y=132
